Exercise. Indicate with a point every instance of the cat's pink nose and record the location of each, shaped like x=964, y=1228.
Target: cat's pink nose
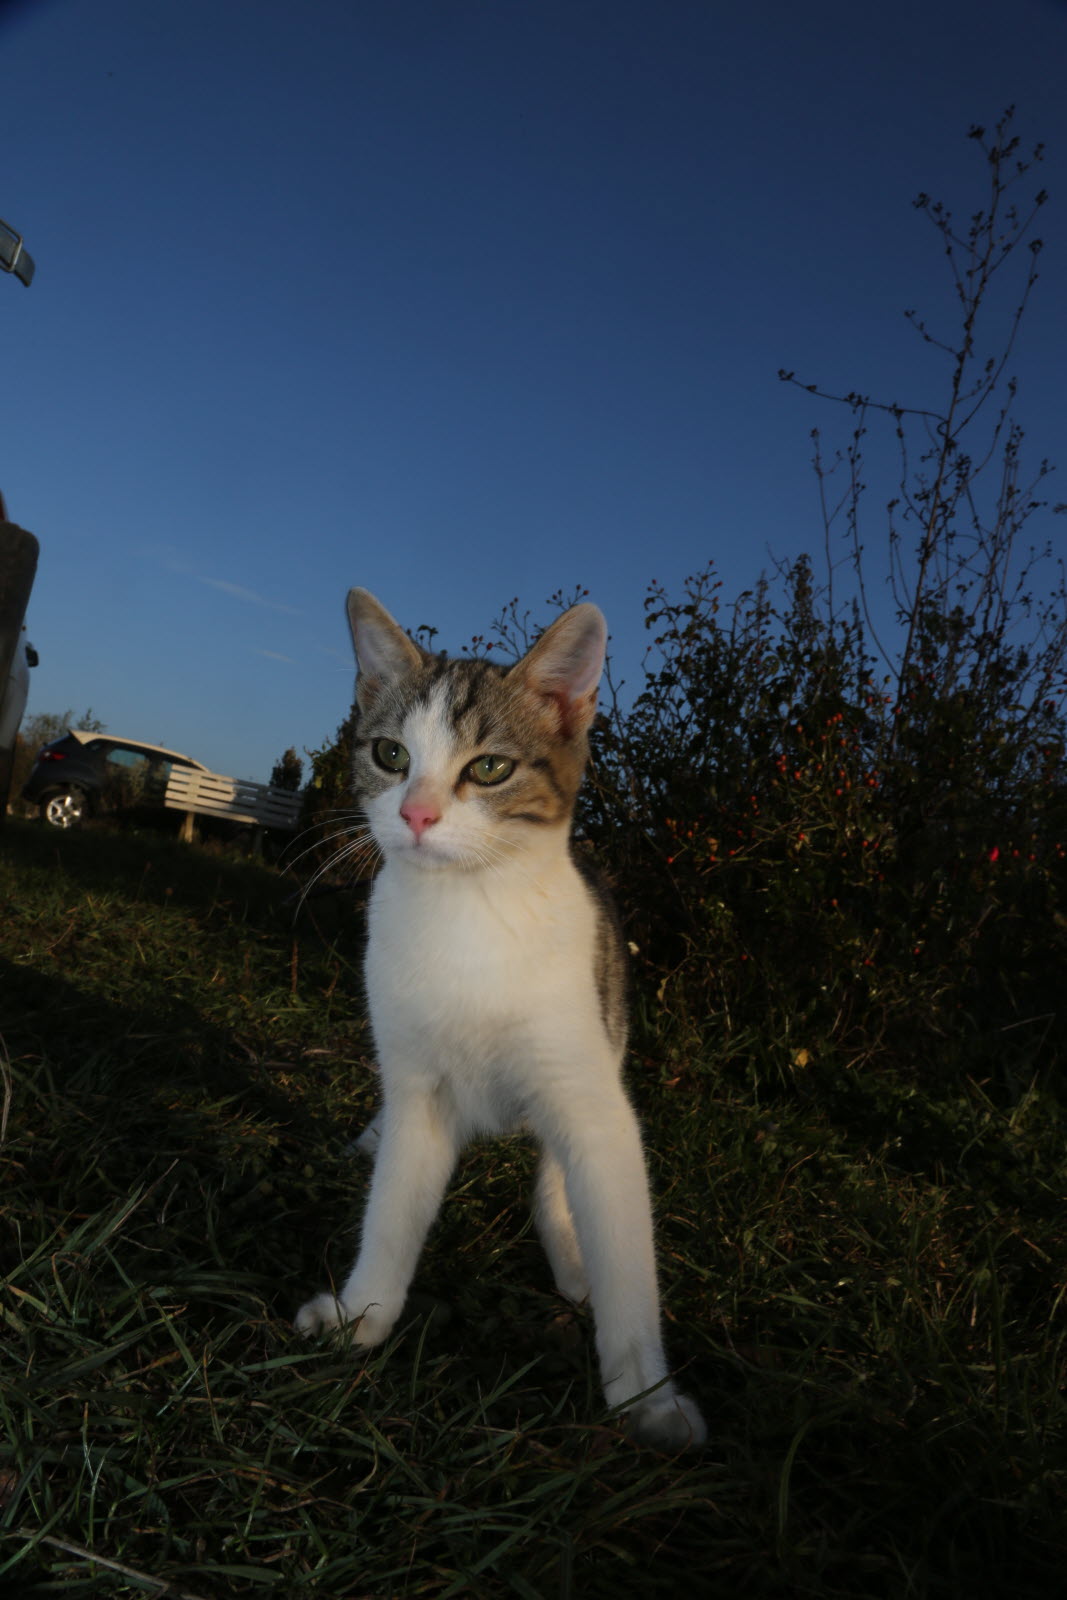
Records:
x=419, y=816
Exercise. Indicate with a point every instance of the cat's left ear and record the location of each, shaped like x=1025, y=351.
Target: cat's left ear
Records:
x=565, y=664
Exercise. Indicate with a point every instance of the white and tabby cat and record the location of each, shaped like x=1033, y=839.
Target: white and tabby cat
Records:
x=496, y=984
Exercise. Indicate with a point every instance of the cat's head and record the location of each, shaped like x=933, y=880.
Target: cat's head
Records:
x=465, y=763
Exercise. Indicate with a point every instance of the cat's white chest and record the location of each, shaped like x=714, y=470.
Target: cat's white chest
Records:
x=484, y=986
x=454, y=945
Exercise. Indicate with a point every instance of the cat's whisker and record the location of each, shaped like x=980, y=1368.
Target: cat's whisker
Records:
x=358, y=817
x=326, y=817
x=342, y=833
x=357, y=828
x=360, y=851
x=355, y=852
x=307, y=890
x=357, y=855
x=495, y=858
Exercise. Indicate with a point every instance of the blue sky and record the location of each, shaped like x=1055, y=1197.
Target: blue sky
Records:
x=460, y=300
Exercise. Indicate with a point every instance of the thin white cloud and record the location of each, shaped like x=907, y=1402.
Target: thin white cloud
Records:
x=245, y=594
x=236, y=590
x=275, y=655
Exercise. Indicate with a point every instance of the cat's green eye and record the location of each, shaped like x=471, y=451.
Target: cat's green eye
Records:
x=389, y=755
x=491, y=769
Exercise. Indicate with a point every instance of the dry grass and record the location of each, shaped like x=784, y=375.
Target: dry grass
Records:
x=867, y=1297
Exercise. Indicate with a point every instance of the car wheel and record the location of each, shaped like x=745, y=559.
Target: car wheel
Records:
x=64, y=808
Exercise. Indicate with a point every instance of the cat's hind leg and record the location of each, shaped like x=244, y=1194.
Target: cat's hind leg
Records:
x=416, y=1153
x=366, y=1143
x=555, y=1225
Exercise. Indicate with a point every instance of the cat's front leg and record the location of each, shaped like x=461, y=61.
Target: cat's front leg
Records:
x=599, y=1148
x=416, y=1152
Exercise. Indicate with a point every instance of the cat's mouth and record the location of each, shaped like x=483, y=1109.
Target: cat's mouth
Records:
x=433, y=854
x=429, y=852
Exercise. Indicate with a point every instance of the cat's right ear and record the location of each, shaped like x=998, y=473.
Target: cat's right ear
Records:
x=383, y=650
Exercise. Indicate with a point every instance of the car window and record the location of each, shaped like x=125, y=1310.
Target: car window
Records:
x=125, y=776
x=155, y=782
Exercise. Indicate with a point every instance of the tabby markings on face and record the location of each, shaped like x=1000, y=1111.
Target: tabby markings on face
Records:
x=448, y=737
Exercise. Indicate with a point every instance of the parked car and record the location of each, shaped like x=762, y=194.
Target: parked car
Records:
x=86, y=773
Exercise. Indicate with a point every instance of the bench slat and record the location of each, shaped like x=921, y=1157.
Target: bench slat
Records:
x=215, y=795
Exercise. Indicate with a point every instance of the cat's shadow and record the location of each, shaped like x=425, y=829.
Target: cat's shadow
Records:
x=153, y=1089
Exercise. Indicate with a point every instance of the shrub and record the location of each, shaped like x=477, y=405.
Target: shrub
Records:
x=857, y=848
x=793, y=873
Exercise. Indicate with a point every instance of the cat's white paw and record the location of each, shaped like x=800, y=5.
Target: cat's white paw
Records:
x=572, y=1283
x=325, y=1312
x=371, y=1137
x=670, y=1423
x=319, y=1315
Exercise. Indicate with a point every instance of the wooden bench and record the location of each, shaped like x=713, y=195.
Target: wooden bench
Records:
x=209, y=794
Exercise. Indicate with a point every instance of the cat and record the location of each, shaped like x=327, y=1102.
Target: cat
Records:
x=496, y=982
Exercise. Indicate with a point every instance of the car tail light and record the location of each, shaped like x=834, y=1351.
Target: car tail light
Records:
x=52, y=755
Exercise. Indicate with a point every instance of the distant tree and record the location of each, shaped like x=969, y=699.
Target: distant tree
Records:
x=328, y=804
x=288, y=771
x=44, y=726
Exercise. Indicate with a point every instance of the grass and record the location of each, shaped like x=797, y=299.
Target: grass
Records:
x=865, y=1287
